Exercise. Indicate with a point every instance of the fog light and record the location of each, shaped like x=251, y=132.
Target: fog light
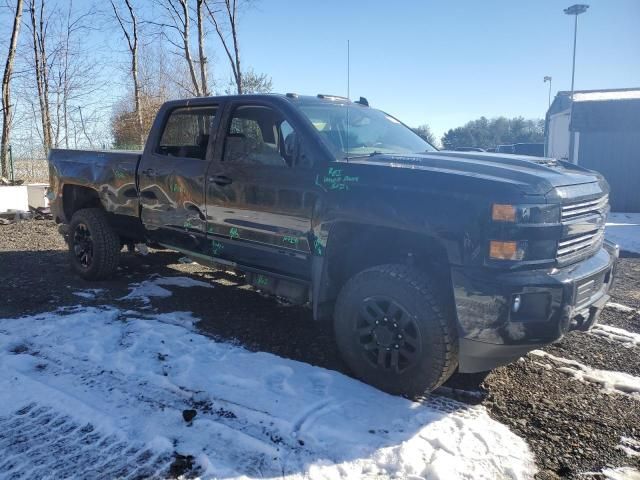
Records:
x=507, y=250
x=515, y=305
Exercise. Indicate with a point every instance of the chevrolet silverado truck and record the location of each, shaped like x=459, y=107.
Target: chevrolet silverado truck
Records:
x=427, y=262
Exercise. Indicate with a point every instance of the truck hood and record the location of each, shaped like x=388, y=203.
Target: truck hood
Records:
x=533, y=175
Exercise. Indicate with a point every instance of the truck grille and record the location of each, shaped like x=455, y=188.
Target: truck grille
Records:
x=582, y=209
x=576, y=245
x=573, y=247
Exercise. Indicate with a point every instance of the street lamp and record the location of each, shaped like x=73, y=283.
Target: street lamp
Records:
x=548, y=79
x=576, y=10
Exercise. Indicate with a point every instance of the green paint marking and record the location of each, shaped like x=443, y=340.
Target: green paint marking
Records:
x=336, y=180
x=262, y=280
x=120, y=174
x=233, y=233
x=175, y=188
x=318, y=247
x=216, y=248
x=188, y=224
x=210, y=229
x=290, y=240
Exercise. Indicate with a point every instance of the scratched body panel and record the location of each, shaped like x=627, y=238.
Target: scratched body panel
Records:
x=112, y=174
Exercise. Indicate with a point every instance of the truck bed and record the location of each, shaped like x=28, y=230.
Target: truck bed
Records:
x=111, y=173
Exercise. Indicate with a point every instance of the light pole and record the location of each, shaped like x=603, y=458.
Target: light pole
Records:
x=576, y=10
x=548, y=79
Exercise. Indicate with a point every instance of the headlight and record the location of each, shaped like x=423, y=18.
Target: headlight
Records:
x=543, y=213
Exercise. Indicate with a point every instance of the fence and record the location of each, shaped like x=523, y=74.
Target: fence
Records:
x=31, y=166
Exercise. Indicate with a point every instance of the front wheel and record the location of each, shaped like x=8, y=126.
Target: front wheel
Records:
x=395, y=331
x=94, y=247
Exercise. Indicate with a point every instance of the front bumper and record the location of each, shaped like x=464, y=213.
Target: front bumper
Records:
x=552, y=302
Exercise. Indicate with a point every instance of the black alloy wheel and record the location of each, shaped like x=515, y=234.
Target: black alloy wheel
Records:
x=388, y=334
x=83, y=245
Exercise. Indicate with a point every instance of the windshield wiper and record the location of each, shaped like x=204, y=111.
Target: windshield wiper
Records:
x=364, y=155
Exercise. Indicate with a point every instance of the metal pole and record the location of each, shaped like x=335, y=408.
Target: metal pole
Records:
x=11, y=163
x=573, y=69
x=549, y=106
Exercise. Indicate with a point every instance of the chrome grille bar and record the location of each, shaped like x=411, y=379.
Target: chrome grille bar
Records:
x=578, y=209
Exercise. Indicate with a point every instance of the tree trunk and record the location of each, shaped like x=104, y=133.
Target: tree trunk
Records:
x=45, y=77
x=201, y=50
x=232, y=10
x=42, y=96
x=6, y=92
x=132, y=41
x=134, y=73
x=187, y=48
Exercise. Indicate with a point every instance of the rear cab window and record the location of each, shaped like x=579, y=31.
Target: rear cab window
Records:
x=186, y=132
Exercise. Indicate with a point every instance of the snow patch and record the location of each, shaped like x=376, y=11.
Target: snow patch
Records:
x=143, y=291
x=131, y=375
x=630, y=446
x=616, y=334
x=619, y=307
x=621, y=473
x=609, y=381
x=624, y=229
x=88, y=293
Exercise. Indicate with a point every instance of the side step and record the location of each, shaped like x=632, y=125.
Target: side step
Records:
x=294, y=292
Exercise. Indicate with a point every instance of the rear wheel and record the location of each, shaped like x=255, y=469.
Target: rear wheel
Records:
x=94, y=247
x=395, y=331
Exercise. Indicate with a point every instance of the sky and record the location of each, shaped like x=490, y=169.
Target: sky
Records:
x=443, y=62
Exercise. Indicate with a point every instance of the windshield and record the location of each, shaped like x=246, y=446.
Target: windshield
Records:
x=352, y=131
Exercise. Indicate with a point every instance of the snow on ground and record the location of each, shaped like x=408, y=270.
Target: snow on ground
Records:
x=622, y=473
x=153, y=288
x=630, y=446
x=101, y=391
x=616, y=334
x=88, y=293
x=619, y=307
x=624, y=229
x=609, y=381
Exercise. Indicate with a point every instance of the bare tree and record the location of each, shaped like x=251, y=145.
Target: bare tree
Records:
x=178, y=20
x=201, y=49
x=6, y=92
x=227, y=10
x=39, y=34
x=132, y=41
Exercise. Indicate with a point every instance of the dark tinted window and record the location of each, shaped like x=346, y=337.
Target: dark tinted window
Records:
x=261, y=135
x=186, y=133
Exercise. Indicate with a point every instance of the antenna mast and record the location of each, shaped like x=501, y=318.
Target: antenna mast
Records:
x=348, y=79
x=348, y=67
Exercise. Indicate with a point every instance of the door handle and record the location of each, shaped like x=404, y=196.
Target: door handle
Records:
x=220, y=180
x=149, y=172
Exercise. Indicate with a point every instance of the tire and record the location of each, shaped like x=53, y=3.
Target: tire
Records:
x=94, y=247
x=413, y=347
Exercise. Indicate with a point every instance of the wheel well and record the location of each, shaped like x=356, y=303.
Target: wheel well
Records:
x=76, y=197
x=353, y=247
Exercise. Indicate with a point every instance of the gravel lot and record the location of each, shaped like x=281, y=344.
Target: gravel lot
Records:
x=574, y=428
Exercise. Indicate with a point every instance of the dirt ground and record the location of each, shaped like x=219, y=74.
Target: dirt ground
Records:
x=574, y=428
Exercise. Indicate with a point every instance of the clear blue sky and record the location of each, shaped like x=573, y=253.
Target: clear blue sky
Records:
x=442, y=62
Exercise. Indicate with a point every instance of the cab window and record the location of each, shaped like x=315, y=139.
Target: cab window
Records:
x=186, y=132
x=260, y=135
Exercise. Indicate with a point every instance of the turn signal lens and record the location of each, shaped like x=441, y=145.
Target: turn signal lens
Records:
x=506, y=250
x=503, y=213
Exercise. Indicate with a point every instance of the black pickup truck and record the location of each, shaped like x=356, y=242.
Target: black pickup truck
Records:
x=426, y=261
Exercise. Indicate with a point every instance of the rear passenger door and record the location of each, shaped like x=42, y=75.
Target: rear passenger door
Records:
x=172, y=176
x=261, y=192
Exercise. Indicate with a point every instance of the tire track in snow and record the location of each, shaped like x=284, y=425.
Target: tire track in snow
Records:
x=39, y=442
